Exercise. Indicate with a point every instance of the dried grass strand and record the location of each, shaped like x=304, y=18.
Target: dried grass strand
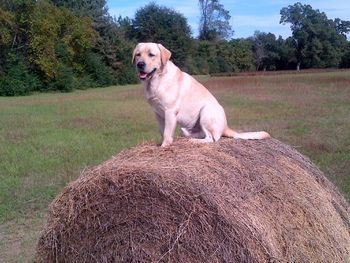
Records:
x=230, y=201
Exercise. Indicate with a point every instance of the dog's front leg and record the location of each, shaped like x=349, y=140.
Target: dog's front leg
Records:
x=169, y=128
x=161, y=124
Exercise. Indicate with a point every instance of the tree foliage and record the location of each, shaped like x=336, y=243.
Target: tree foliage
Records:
x=52, y=29
x=110, y=45
x=62, y=45
x=319, y=41
x=266, y=50
x=96, y=9
x=7, y=27
x=214, y=21
x=154, y=23
x=345, y=60
x=59, y=48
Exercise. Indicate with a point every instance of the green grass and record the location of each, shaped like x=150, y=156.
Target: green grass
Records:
x=46, y=140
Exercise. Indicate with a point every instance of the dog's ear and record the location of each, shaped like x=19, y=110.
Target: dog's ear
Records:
x=134, y=53
x=164, y=54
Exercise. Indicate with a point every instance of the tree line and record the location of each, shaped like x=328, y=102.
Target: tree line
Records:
x=62, y=45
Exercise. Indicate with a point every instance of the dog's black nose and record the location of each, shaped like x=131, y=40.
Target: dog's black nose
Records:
x=141, y=65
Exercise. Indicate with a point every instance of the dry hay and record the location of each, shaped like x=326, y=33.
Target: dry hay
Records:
x=231, y=201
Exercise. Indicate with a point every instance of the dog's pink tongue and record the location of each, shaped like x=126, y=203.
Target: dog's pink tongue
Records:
x=142, y=75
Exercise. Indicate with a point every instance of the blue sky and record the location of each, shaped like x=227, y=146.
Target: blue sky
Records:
x=246, y=16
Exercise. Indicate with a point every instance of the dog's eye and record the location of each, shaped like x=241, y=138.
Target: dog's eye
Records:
x=151, y=55
x=138, y=54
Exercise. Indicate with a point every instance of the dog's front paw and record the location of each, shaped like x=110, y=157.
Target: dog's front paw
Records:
x=167, y=142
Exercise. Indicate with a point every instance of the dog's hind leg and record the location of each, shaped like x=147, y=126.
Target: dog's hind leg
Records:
x=212, y=123
x=190, y=134
x=208, y=137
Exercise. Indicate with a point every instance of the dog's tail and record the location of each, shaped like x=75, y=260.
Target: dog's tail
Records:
x=245, y=135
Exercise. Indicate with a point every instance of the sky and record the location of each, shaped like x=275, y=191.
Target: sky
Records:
x=246, y=16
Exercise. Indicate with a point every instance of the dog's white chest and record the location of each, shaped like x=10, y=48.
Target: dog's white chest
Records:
x=157, y=105
x=155, y=99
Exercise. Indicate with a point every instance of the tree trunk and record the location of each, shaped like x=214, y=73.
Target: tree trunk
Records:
x=298, y=66
x=257, y=67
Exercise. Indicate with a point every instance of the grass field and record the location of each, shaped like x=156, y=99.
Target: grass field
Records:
x=46, y=140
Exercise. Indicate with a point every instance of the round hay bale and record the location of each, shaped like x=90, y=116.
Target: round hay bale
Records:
x=230, y=201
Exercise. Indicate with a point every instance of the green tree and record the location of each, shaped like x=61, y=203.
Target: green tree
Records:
x=72, y=44
x=126, y=28
x=95, y=9
x=223, y=56
x=214, y=21
x=287, y=53
x=198, y=62
x=154, y=23
x=17, y=79
x=111, y=43
x=342, y=26
x=51, y=27
x=265, y=49
x=242, y=55
x=15, y=27
x=7, y=29
x=48, y=45
x=17, y=76
x=320, y=41
x=345, y=60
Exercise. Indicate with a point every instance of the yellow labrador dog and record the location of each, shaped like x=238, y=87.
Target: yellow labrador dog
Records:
x=176, y=97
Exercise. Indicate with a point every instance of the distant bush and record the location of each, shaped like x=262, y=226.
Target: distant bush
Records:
x=17, y=79
x=126, y=75
x=97, y=70
x=84, y=82
x=63, y=80
x=12, y=87
x=345, y=61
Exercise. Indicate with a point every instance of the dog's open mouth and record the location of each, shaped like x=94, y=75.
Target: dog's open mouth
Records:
x=143, y=75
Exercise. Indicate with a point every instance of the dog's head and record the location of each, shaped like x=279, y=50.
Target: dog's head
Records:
x=149, y=58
